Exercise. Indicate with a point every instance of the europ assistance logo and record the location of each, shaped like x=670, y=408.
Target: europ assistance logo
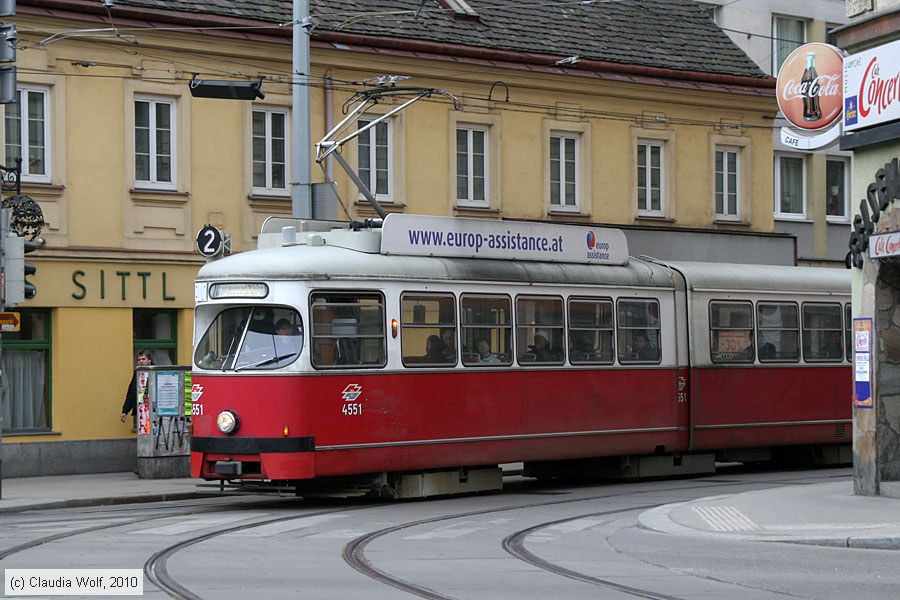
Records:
x=596, y=249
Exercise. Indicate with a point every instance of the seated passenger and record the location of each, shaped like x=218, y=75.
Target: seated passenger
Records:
x=643, y=349
x=484, y=352
x=448, y=337
x=541, y=346
x=833, y=346
x=435, y=349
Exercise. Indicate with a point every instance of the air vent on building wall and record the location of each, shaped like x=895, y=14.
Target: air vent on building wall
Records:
x=460, y=8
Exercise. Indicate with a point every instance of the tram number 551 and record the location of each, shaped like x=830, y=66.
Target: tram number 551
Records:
x=352, y=409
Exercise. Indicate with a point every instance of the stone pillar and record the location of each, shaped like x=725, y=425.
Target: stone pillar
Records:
x=876, y=431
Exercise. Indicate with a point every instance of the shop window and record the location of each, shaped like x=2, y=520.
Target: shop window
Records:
x=26, y=374
x=155, y=330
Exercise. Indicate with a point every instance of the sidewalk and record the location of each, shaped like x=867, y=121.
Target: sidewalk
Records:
x=99, y=489
x=827, y=514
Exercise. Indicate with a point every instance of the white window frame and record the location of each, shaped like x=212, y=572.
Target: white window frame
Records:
x=567, y=202
x=24, y=128
x=646, y=210
x=386, y=197
x=725, y=214
x=777, y=60
x=269, y=189
x=779, y=156
x=470, y=158
x=845, y=218
x=153, y=182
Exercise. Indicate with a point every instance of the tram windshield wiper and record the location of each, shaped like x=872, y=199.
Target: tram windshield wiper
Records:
x=266, y=361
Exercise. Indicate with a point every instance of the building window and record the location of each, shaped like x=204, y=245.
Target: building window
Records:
x=564, y=171
x=836, y=188
x=26, y=374
x=472, y=166
x=728, y=168
x=375, y=158
x=790, y=187
x=155, y=330
x=650, y=178
x=154, y=143
x=270, y=152
x=27, y=129
x=788, y=34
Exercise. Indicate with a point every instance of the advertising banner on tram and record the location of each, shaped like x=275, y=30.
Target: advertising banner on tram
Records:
x=417, y=235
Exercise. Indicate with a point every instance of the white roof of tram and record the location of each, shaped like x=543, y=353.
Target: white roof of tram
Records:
x=307, y=250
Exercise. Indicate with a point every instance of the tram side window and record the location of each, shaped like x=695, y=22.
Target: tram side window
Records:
x=777, y=333
x=251, y=337
x=486, y=330
x=590, y=339
x=823, y=332
x=347, y=330
x=848, y=332
x=637, y=322
x=428, y=330
x=539, y=330
x=731, y=332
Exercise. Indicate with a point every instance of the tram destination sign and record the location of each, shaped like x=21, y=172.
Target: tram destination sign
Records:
x=418, y=235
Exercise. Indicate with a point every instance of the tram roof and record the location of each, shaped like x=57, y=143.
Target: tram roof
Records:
x=303, y=262
x=722, y=276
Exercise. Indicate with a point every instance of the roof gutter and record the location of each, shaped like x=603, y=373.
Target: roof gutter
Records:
x=545, y=61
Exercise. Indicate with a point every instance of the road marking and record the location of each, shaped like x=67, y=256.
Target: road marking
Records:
x=725, y=518
x=554, y=532
x=196, y=523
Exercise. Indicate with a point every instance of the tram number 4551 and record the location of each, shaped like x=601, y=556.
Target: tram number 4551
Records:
x=351, y=409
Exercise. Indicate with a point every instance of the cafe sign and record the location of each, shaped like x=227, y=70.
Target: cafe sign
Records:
x=884, y=245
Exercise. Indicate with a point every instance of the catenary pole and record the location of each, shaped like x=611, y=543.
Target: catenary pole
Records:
x=301, y=200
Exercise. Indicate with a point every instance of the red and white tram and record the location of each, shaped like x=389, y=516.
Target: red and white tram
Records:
x=414, y=358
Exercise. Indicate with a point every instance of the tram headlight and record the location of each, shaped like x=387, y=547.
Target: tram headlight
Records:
x=227, y=422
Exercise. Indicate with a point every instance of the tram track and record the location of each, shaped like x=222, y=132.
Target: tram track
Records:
x=354, y=552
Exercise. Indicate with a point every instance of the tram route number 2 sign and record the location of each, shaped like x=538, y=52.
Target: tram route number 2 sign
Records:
x=210, y=241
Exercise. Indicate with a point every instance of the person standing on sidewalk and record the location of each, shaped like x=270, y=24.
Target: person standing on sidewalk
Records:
x=144, y=359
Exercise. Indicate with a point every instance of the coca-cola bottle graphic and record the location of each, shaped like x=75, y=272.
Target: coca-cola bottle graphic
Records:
x=809, y=87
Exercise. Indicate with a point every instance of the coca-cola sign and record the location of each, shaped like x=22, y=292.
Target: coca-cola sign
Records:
x=872, y=87
x=809, y=88
x=884, y=245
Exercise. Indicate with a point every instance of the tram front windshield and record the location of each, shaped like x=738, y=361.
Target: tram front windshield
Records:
x=251, y=337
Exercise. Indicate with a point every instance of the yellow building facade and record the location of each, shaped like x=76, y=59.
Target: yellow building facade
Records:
x=127, y=166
